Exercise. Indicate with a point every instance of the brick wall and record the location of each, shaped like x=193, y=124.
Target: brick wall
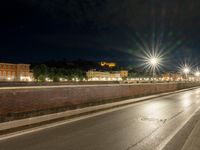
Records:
x=27, y=100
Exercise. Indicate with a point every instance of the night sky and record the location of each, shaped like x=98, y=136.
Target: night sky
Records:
x=112, y=30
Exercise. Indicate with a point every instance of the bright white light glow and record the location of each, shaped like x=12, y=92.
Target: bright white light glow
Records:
x=197, y=74
x=154, y=61
x=186, y=70
x=185, y=67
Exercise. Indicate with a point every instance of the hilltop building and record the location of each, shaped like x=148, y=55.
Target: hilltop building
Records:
x=108, y=64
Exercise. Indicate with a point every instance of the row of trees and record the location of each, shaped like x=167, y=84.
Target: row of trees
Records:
x=42, y=72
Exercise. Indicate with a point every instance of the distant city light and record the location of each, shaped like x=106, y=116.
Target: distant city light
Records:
x=48, y=79
x=185, y=67
x=197, y=74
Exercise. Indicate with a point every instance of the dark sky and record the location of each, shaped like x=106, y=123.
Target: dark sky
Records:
x=115, y=30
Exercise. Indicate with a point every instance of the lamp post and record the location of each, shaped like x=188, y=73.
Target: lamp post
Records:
x=154, y=62
x=186, y=70
x=197, y=74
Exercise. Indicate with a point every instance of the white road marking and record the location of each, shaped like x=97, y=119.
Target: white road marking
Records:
x=169, y=138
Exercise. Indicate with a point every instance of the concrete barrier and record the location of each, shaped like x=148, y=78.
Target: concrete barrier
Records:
x=23, y=101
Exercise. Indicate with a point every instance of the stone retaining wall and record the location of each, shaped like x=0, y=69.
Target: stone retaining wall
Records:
x=14, y=101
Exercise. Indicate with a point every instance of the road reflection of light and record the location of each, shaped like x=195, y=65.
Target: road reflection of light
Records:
x=186, y=100
x=186, y=103
x=197, y=92
x=154, y=109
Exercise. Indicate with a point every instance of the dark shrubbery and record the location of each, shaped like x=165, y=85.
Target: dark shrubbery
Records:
x=43, y=73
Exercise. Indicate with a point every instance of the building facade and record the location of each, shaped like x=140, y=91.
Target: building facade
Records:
x=15, y=72
x=97, y=74
x=106, y=76
x=172, y=77
x=123, y=73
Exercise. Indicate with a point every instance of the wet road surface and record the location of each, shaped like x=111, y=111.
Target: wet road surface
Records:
x=145, y=125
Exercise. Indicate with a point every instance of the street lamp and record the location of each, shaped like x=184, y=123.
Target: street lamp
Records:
x=154, y=62
x=186, y=70
x=197, y=74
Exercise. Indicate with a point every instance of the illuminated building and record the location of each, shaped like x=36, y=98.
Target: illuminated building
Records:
x=115, y=75
x=123, y=73
x=15, y=72
x=106, y=76
x=97, y=74
x=172, y=77
x=108, y=64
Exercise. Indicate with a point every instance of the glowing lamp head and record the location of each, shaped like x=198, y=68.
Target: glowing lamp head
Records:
x=154, y=61
x=186, y=70
x=197, y=74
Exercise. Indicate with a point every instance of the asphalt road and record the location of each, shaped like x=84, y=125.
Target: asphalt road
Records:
x=147, y=125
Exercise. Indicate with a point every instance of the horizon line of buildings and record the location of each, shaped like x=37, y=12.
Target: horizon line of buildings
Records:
x=22, y=72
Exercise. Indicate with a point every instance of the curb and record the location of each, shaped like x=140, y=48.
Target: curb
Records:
x=70, y=113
